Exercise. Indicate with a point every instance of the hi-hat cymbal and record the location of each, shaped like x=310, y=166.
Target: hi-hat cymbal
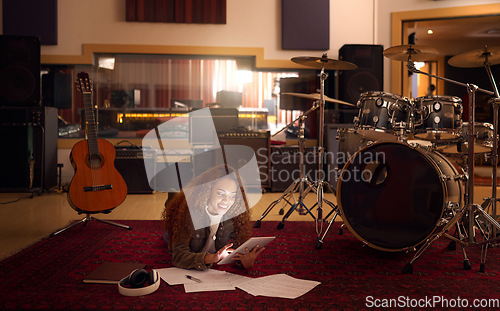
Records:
x=317, y=96
x=476, y=58
x=416, y=53
x=324, y=62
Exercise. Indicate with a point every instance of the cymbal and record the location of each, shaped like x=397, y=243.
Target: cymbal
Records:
x=328, y=63
x=476, y=58
x=418, y=53
x=317, y=96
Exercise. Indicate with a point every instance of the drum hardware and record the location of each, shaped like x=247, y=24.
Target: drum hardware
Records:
x=467, y=216
x=298, y=184
x=323, y=63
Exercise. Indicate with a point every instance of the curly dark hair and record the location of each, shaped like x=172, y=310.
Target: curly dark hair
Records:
x=176, y=218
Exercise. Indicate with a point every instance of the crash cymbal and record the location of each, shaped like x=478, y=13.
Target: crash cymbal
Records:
x=317, y=96
x=328, y=63
x=476, y=58
x=418, y=53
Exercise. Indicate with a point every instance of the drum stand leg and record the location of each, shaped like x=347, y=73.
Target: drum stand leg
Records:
x=408, y=269
x=470, y=208
x=322, y=183
x=302, y=184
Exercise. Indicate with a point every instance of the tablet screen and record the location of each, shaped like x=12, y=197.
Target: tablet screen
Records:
x=250, y=243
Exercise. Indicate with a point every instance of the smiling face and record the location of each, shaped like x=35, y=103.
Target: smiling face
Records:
x=222, y=196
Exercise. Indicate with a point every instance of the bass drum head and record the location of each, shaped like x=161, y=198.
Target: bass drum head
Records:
x=391, y=196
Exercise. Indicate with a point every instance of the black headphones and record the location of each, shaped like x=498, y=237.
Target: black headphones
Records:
x=139, y=282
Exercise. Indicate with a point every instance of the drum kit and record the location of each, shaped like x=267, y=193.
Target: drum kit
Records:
x=398, y=190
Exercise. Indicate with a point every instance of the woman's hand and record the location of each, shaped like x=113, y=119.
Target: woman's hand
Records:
x=248, y=259
x=212, y=258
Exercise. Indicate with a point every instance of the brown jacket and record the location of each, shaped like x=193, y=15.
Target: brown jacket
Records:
x=187, y=254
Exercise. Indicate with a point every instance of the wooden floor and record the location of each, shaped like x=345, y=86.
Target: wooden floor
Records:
x=25, y=219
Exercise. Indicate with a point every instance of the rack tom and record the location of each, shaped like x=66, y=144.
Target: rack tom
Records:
x=438, y=117
x=382, y=115
x=483, y=133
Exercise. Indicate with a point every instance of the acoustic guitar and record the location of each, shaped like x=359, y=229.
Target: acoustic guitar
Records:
x=96, y=185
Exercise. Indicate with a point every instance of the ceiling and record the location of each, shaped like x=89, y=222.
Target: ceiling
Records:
x=458, y=35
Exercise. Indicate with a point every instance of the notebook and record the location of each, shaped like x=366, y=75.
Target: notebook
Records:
x=112, y=272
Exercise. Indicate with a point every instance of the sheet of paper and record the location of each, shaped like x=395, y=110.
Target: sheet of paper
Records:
x=216, y=282
x=211, y=280
x=175, y=276
x=278, y=285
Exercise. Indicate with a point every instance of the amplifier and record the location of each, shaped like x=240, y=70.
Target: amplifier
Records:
x=285, y=168
x=259, y=141
x=129, y=161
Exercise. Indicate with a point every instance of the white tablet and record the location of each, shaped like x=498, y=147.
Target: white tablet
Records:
x=250, y=243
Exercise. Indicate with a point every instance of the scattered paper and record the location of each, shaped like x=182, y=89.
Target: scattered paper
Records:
x=278, y=285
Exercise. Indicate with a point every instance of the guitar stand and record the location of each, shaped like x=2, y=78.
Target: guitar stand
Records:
x=86, y=219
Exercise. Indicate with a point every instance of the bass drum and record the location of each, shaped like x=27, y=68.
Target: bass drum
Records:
x=349, y=143
x=392, y=195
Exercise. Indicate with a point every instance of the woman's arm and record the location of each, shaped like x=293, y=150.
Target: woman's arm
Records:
x=182, y=257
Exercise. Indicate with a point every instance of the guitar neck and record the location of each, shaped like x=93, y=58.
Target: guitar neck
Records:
x=91, y=124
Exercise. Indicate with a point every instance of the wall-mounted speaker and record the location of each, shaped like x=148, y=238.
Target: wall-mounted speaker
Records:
x=369, y=76
x=19, y=71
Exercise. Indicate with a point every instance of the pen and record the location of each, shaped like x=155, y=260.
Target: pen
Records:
x=193, y=278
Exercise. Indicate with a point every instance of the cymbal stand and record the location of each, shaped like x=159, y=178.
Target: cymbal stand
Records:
x=321, y=183
x=492, y=201
x=469, y=210
x=298, y=184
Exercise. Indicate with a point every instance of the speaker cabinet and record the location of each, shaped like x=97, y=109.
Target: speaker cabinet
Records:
x=259, y=142
x=19, y=71
x=56, y=90
x=129, y=162
x=369, y=76
x=285, y=166
x=29, y=157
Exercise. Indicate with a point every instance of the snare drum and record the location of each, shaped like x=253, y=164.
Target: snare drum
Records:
x=483, y=133
x=381, y=115
x=438, y=117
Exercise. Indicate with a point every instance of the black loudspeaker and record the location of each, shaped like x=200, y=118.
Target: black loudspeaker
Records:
x=56, y=89
x=369, y=76
x=285, y=167
x=19, y=71
x=129, y=161
x=29, y=158
x=260, y=143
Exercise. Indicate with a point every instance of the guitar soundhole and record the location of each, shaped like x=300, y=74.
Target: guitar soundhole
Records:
x=95, y=161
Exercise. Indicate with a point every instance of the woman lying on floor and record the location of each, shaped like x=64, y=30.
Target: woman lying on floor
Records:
x=204, y=221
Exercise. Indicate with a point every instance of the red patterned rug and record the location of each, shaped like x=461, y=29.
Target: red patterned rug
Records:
x=49, y=274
